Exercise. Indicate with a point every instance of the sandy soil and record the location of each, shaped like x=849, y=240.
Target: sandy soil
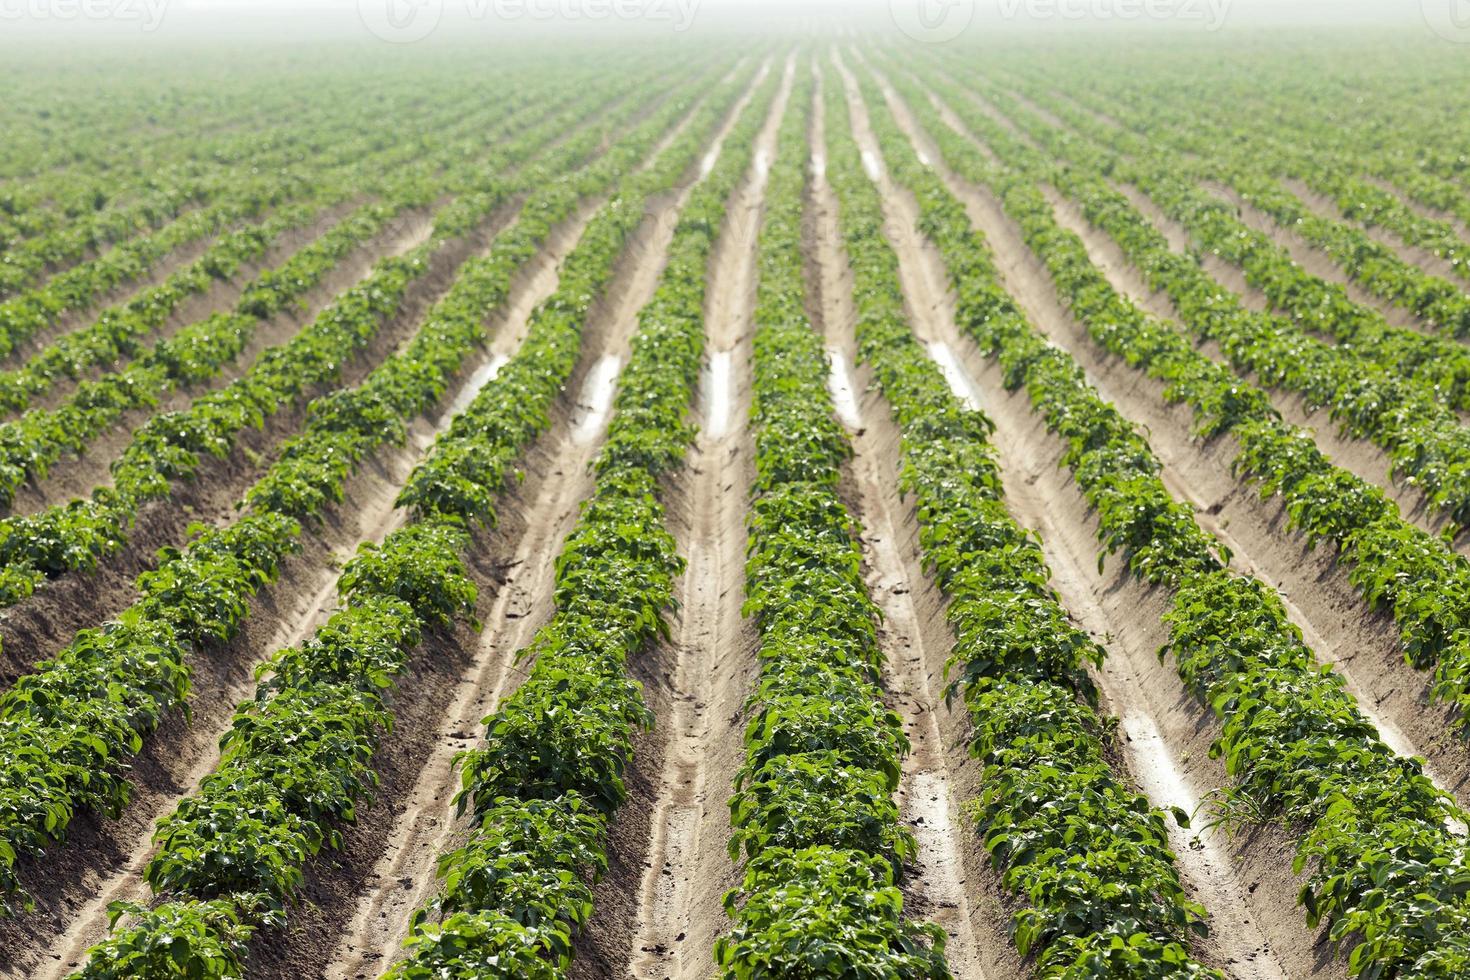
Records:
x=668, y=882
x=370, y=920
x=1257, y=931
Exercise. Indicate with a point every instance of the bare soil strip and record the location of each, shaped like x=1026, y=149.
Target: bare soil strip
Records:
x=103, y=861
x=48, y=620
x=915, y=645
x=1358, y=456
x=659, y=911
x=1252, y=917
x=1362, y=644
x=76, y=476
x=369, y=920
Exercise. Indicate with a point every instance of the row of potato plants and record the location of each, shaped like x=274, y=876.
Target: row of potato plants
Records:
x=1440, y=364
x=1088, y=857
x=549, y=774
x=171, y=216
x=30, y=445
x=1382, y=863
x=299, y=757
x=119, y=331
x=1248, y=159
x=1397, y=566
x=1390, y=137
x=813, y=814
x=171, y=446
x=66, y=737
x=80, y=287
x=146, y=178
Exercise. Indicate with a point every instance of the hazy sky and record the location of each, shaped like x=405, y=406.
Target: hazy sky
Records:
x=404, y=20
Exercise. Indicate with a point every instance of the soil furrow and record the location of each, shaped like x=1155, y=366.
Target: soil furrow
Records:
x=1121, y=614
x=103, y=860
x=370, y=919
x=1361, y=643
x=697, y=681
x=915, y=646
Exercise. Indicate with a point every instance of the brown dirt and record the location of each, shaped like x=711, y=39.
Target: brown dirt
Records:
x=363, y=931
x=1257, y=931
x=915, y=636
x=102, y=859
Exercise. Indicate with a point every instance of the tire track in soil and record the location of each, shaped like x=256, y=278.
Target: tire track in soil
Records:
x=371, y=921
x=1171, y=770
x=1360, y=643
x=105, y=862
x=914, y=645
x=668, y=882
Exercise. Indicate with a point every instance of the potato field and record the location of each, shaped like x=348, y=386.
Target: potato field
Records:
x=768, y=508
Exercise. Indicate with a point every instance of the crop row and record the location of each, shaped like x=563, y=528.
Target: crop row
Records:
x=170, y=446
x=52, y=216
x=299, y=756
x=1383, y=867
x=813, y=812
x=118, y=332
x=1374, y=264
x=200, y=351
x=186, y=210
x=1395, y=564
x=1441, y=365
x=363, y=164
x=549, y=774
x=1089, y=857
x=201, y=594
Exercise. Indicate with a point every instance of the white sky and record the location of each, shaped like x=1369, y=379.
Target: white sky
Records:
x=356, y=19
